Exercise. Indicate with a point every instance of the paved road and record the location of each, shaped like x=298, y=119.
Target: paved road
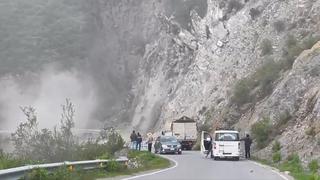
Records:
x=193, y=166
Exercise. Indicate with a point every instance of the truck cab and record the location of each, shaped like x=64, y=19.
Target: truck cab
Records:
x=225, y=144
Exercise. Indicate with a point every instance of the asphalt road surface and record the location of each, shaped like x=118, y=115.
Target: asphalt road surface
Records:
x=194, y=166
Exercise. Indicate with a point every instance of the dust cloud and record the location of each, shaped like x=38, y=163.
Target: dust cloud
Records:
x=47, y=91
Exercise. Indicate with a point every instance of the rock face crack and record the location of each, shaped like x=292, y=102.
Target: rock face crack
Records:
x=226, y=28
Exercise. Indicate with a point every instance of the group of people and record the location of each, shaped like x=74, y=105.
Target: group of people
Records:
x=136, y=140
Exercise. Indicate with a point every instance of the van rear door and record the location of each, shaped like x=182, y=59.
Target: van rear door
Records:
x=227, y=143
x=230, y=147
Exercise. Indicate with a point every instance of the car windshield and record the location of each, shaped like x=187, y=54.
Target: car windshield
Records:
x=168, y=139
x=227, y=137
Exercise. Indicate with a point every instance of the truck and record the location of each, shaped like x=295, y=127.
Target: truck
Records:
x=185, y=130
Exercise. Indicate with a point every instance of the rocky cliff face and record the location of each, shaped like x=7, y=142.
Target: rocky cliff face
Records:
x=199, y=70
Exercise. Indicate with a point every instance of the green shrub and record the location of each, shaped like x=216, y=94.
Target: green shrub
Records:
x=294, y=49
x=313, y=166
x=309, y=41
x=266, y=75
x=292, y=164
x=260, y=131
x=291, y=41
x=315, y=176
x=276, y=157
x=254, y=13
x=61, y=173
x=115, y=142
x=241, y=92
x=8, y=161
x=311, y=131
x=279, y=26
x=315, y=71
x=294, y=158
x=113, y=166
x=148, y=160
x=60, y=144
x=266, y=47
x=276, y=146
x=263, y=78
x=37, y=174
x=284, y=118
x=92, y=150
x=291, y=54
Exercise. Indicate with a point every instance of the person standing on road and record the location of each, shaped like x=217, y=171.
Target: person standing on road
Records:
x=247, y=144
x=150, y=140
x=139, y=141
x=209, y=141
x=133, y=138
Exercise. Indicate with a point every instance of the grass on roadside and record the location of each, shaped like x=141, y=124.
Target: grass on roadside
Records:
x=294, y=166
x=148, y=161
x=8, y=161
x=64, y=174
x=145, y=160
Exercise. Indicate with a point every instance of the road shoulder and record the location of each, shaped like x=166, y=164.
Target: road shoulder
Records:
x=283, y=175
x=173, y=164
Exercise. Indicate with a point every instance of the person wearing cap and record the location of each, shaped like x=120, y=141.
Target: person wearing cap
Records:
x=150, y=140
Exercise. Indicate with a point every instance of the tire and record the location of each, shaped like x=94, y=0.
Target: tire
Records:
x=215, y=158
x=237, y=158
x=180, y=152
x=160, y=151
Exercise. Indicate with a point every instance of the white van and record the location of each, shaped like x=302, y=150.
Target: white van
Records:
x=225, y=144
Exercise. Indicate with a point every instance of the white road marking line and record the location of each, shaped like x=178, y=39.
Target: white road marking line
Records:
x=157, y=172
x=264, y=166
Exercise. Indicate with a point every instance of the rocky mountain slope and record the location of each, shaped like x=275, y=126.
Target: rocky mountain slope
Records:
x=242, y=63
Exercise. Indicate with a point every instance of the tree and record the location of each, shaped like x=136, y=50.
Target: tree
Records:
x=67, y=123
x=44, y=144
x=111, y=139
x=24, y=135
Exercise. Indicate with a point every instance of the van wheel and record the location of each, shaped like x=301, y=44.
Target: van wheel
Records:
x=179, y=152
x=237, y=158
x=215, y=158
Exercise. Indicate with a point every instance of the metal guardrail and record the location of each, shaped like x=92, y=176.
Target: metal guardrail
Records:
x=18, y=172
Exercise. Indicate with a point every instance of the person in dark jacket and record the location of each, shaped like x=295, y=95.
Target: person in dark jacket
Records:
x=139, y=141
x=247, y=144
x=209, y=146
x=133, y=138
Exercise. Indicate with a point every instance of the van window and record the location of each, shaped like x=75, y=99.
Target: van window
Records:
x=227, y=137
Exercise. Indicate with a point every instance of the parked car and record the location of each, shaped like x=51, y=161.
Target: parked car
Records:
x=167, y=144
